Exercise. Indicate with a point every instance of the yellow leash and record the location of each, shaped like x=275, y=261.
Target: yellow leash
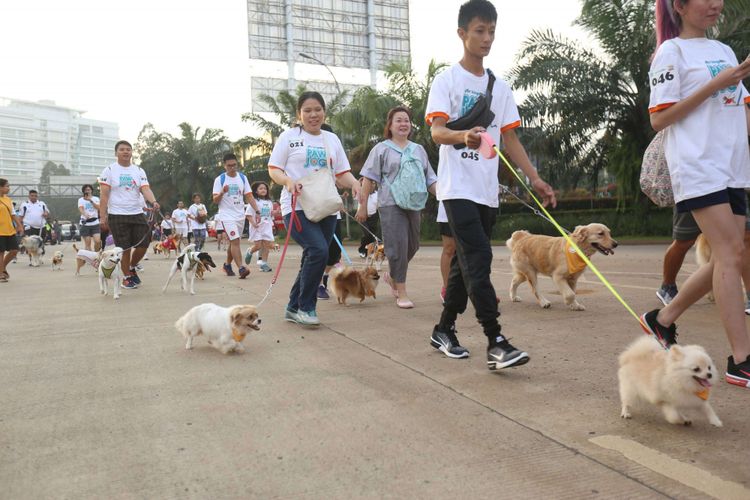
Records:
x=568, y=239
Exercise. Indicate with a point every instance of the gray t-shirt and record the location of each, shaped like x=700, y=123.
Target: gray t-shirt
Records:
x=383, y=162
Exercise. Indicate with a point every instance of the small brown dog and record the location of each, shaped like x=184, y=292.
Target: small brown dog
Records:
x=532, y=254
x=166, y=246
x=347, y=281
x=375, y=255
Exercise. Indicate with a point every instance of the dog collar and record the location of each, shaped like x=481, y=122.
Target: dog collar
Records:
x=703, y=394
x=237, y=336
x=575, y=262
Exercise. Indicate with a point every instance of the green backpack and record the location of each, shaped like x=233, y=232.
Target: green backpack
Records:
x=409, y=188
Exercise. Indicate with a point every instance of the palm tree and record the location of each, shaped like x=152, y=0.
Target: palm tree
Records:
x=180, y=166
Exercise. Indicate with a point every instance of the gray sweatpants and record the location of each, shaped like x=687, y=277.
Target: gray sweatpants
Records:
x=400, y=237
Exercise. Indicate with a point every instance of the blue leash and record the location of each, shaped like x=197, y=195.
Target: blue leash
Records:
x=343, y=250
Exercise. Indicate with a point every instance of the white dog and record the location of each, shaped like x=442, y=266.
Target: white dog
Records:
x=57, y=261
x=676, y=380
x=225, y=327
x=109, y=269
x=187, y=263
x=34, y=248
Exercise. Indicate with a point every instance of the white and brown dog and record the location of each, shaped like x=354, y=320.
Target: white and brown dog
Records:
x=532, y=254
x=188, y=264
x=109, y=270
x=34, y=247
x=375, y=255
x=84, y=257
x=57, y=260
x=224, y=327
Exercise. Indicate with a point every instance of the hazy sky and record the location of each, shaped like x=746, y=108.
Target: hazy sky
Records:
x=168, y=61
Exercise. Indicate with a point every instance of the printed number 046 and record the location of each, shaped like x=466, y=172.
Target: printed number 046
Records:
x=664, y=77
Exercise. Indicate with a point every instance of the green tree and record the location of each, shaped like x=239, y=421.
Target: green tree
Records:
x=52, y=168
x=179, y=166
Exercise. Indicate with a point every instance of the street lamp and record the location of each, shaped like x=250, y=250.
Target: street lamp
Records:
x=306, y=56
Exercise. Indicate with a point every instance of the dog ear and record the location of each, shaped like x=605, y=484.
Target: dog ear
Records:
x=676, y=353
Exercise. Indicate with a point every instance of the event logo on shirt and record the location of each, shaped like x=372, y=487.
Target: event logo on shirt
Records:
x=716, y=67
x=127, y=182
x=234, y=189
x=316, y=157
x=470, y=99
x=265, y=211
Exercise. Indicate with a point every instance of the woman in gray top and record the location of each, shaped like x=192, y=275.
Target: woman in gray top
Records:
x=404, y=175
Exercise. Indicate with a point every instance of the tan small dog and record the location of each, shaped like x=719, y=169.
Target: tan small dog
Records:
x=375, y=255
x=677, y=380
x=166, y=246
x=532, y=254
x=57, y=260
x=347, y=281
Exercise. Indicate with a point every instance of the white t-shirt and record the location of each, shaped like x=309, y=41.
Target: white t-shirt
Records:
x=33, y=213
x=232, y=204
x=88, y=210
x=298, y=153
x=193, y=210
x=180, y=217
x=167, y=224
x=464, y=173
x=372, y=204
x=265, y=207
x=707, y=150
x=125, y=184
x=441, y=215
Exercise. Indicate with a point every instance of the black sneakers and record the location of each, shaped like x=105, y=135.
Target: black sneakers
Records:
x=447, y=343
x=504, y=355
x=666, y=336
x=738, y=374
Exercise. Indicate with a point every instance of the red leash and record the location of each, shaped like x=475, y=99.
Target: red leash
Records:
x=295, y=223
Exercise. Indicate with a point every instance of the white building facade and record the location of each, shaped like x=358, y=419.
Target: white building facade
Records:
x=33, y=133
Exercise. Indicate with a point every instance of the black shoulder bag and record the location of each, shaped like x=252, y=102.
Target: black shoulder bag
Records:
x=480, y=115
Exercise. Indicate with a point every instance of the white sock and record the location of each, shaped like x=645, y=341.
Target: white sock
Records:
x=260, y=262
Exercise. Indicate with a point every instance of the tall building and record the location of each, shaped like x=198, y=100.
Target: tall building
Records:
x=33, y=133
x=363, y=36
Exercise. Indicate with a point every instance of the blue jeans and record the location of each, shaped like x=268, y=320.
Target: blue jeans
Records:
x=199, y=238
x=314, y=239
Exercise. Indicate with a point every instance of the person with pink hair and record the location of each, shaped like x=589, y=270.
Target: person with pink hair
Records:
x=698, y=100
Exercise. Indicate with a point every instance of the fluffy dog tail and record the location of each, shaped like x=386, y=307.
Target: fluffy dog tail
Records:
x=643, y=346
x=187, y=249
x=339, y=270
x=517, y=235
x=180, y=324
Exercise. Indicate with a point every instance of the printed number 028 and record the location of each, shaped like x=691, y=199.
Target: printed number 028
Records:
x=664, y=77
x=471, y=155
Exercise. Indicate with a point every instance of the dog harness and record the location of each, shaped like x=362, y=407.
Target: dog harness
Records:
x=575, y=262
x=107, y=272
x=237, y=336
x=703, y=394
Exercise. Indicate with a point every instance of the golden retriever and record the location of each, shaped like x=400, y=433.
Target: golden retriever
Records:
x=347, y=281
x=532, y=254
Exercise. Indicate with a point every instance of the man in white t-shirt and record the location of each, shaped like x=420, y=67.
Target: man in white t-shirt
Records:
x=231, y=191
x=197, y=214
x=467, y=182
x=180, y=220
x=34, y=213
x=121, y=210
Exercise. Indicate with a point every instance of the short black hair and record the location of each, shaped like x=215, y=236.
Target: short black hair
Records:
x=120, y=143
x=83, y=188
x=33, y=191
x=229, y=156
x=3, y=182
x=310, y=94
x=473, y=9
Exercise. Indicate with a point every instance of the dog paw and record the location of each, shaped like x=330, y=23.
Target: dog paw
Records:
x=716, y=422
x=626, y=415
x=546, y=304
x=576, y=306
x=515, y=299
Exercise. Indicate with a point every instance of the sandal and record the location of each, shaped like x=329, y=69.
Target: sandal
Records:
x=405, y=303
x=389, y=282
